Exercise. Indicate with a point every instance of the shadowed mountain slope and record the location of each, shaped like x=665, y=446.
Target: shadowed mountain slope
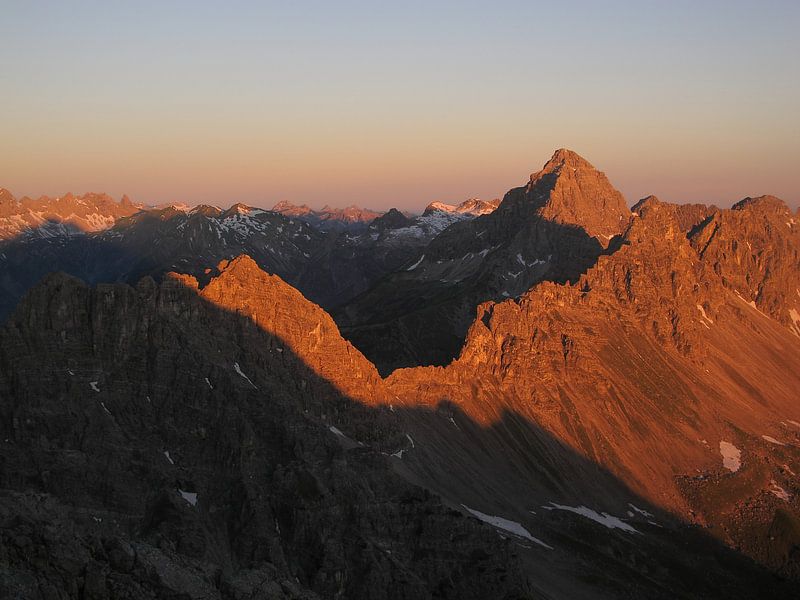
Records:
x=160, y=443
x=650, y=367
x=553, y=228
x=225, y=440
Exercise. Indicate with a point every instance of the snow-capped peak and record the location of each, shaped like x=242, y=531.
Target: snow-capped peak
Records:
x=472, y=207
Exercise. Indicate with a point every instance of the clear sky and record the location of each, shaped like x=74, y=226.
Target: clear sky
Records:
x=397, y=104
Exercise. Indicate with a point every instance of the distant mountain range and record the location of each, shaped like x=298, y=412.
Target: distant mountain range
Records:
x=89, y=213
x=332, y=255
x=351, y=218
x=64, y=215
x=552, y=396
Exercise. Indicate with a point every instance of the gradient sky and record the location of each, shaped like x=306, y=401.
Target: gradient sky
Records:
x=397, y=104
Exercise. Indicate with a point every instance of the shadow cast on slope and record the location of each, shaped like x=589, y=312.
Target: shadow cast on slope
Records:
x=158, y=444
x=408, y=320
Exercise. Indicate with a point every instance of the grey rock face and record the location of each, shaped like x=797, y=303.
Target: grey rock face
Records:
x=157, y=445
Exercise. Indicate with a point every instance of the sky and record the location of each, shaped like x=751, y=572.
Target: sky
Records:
x=397, y=104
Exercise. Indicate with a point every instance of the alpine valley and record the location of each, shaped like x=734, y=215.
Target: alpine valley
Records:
x=552, y=396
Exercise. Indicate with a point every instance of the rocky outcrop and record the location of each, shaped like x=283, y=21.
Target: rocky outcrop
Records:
x=755, y=249
x=570, y=191
x=648, y=366
x=171, y=441
x=688, y=216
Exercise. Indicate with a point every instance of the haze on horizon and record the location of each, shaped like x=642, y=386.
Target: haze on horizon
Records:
x=397, y=105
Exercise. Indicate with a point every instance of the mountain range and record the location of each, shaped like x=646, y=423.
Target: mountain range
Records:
x=331, y=260
x=551, y=396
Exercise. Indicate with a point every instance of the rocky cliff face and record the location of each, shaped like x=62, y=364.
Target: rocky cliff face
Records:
x=165, y=441
x=649, y=367
x=570, y=191
x=755, y=249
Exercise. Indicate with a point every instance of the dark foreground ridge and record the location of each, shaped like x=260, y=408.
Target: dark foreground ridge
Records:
x=157, y=445
x=226, y=442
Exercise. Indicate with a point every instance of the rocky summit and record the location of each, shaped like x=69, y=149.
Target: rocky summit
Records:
x=551, y=229
x=555, y=396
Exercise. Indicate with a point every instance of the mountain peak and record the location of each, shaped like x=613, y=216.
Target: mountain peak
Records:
x=243, y=266
x=645, y=203
x=571, y=191
x=8, y=204
x=391, y=219
x=564, y=158
x=762, y=203
x=203, y=209
x=288, y=209
x=240, y=209
x=471, y=206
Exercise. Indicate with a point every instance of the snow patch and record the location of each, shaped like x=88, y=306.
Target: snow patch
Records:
x=642, y=512
x=243, y=224
x=411, y=440
x=731, y=456
x=778, y=491
x=528, y=264
x=506, y=525
x=209, y=383
x=795, y=317
x=772, y=440
x=169, y=458
x=704, y=315
x=336, y=431
x=190, y=497
x=93, y=385
x=239, y=371
x=104, y=407
x=416, y=264
x=605, y=519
